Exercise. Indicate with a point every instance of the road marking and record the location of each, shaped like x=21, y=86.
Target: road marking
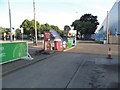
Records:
x=69, y=49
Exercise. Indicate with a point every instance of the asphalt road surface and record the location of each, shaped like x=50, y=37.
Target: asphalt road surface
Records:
x=85, y=66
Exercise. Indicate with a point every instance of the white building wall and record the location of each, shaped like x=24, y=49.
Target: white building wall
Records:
x=119, y=17
x=113, y=20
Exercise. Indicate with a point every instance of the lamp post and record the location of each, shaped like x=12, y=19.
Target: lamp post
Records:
x=35, y=23
x=107, y=28
x=11, y=39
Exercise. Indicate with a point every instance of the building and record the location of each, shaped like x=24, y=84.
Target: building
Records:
x=111, y=25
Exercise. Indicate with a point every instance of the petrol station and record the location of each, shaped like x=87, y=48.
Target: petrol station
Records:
x=52, y=41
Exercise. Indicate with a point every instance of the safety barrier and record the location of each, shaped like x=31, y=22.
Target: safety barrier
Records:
x=11, y=51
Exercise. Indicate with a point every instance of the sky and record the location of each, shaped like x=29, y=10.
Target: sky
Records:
x=53, y=12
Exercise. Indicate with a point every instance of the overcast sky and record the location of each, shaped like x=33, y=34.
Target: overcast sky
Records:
x=53, y=12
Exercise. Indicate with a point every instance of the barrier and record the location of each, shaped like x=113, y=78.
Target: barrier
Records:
x=109, y=54
x=11, y=51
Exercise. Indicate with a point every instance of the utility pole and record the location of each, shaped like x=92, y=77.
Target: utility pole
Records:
x=35, y=23
x=11, y=39
x=107, y=28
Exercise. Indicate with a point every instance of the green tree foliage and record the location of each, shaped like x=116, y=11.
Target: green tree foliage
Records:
x=29, y=27
x=4, y=30
x=47, y=27
x=44, y=27
x=57, y=29
x=26, y=26
x=87, y=24
x=66, y=29
x=18, y=33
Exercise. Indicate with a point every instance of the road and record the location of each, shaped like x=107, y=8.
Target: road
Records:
x=85, y=66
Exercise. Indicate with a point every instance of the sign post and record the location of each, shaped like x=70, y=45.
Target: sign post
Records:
x=11, y=39
x=47, y=36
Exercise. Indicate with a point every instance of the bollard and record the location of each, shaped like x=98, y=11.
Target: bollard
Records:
x=109, y=54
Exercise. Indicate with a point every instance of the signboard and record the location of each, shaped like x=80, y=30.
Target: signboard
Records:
x=72, y=33
x=47, y=36
x=12, y=51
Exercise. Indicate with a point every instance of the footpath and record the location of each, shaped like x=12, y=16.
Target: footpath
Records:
x=36, y=52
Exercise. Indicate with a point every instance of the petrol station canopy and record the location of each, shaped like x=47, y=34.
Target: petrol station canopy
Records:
x=55, y=34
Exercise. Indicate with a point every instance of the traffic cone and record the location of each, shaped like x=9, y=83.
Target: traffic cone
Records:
x=109, y=54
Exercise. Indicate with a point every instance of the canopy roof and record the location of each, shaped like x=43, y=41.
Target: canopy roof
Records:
x=55, y=34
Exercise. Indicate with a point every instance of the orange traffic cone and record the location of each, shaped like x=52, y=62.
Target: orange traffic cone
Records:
x=109, y=54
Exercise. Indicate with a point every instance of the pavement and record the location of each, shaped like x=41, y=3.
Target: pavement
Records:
x=36, y=52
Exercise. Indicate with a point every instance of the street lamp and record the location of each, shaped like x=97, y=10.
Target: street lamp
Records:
x=107, y=28
x=11, y=39
x=35, y=23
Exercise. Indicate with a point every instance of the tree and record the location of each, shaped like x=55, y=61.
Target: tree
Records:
x=87, y=24
x=26, y=25
x=29, y=27
x=32, y=27
x=2, y=30
x=77, y=24
x=44, y=27
x=66, y=30
x=57, y=29
x=18, y=33
x=47, y=27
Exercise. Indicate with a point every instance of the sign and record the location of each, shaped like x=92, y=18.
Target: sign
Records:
x=12, y=51
x=47, y=36
x=72, y=33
